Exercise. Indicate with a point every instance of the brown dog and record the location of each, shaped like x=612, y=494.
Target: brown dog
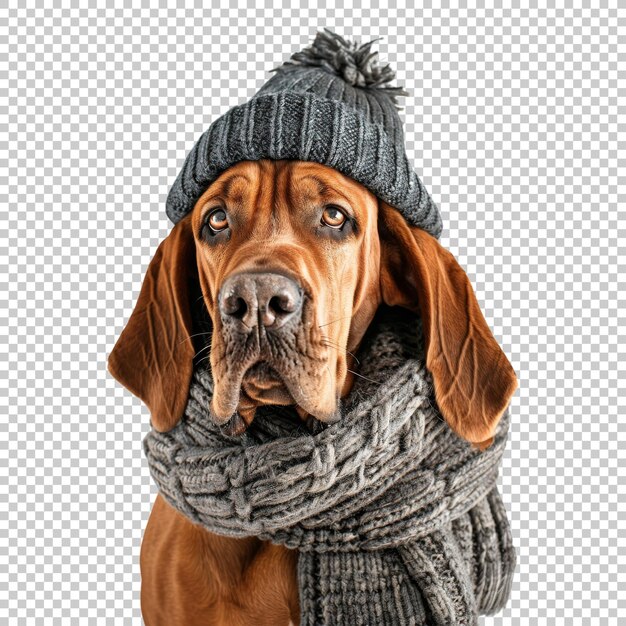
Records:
x=293, y=259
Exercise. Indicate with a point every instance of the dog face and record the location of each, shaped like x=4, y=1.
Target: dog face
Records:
x=288, y=258
x=293, y=259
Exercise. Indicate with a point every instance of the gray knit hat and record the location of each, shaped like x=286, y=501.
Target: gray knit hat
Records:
x=329, y=104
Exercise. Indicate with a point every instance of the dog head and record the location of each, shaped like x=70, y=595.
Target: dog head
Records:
x=293, y=259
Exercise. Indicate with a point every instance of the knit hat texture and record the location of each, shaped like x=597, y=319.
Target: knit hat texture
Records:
x=331, y=104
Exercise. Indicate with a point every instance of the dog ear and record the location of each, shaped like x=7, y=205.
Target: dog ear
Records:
x=473, y=378
x=153, y=356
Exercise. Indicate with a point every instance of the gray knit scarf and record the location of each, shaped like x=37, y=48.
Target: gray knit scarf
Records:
x=396, y=519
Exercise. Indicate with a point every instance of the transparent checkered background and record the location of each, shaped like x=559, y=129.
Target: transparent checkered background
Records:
x=513, y=125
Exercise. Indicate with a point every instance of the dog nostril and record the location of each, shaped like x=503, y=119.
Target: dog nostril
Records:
x=280, y=307
x=282, y=303
x=235, y=307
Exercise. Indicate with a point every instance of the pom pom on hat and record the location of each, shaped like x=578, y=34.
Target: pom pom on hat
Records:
x=353, y=62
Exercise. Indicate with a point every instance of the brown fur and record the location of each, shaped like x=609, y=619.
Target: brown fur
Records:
x=191, y=576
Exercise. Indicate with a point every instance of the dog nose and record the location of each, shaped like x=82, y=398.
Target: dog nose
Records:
x=271, y=298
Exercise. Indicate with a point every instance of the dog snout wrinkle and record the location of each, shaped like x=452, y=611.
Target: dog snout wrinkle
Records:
x=267, y=299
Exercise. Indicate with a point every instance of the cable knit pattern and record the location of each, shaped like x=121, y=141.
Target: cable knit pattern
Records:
x=330, y=104
x=397, y=520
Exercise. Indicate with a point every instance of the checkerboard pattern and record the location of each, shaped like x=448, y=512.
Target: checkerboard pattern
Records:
x=513, y=124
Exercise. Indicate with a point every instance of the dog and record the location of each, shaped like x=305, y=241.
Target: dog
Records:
x=292, y=260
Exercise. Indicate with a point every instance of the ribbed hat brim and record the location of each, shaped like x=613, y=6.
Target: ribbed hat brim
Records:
x=304, y=126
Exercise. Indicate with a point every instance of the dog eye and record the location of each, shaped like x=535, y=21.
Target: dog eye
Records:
x=333, y=217
x=217, y=220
